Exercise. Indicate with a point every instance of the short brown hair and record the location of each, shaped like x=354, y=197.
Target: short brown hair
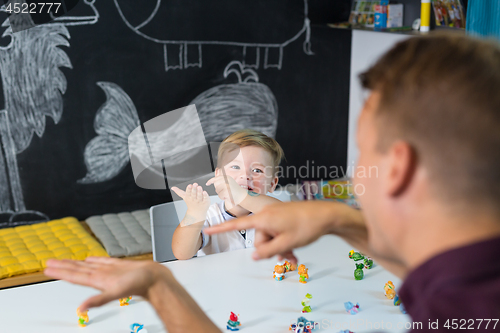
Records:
x=249, y=137
x=441, y=94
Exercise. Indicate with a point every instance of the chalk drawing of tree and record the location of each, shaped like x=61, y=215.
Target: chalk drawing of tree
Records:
x=32, y=86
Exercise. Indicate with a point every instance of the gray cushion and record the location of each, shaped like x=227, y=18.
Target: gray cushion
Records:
x=123, y=234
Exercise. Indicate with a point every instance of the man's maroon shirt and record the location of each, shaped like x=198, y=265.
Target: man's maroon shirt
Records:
x=461, y=284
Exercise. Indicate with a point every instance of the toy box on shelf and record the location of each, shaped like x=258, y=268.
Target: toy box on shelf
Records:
x=341, y=190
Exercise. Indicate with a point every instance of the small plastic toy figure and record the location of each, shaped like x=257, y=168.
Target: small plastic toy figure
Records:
x=351, y=308
x=306, y=308
x=397, y=300
x=136, y=328
x=83, y=317
x=358, y=272
x=279, y=272
x=390, y=290
x=124, y=301
x=289, y=266
x=233, y=323
x=368, y=263
x=303, y=274
x=302, y=326
x=356, y=255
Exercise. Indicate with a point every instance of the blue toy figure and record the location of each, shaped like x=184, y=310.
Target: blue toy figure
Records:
x=351, y=308
x=136, y=328
x=302, y=326
x=397, y=300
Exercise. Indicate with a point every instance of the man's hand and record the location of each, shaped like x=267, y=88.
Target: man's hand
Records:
x=115, y=278
x=197, y=202
x=228, y=189
x=281, y=228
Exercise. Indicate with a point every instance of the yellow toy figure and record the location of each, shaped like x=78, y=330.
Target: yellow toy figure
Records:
x=279, y=272
x=124, y=301
x=289, y=266
x=390, y=290
x=303, y=274
x=83, y=317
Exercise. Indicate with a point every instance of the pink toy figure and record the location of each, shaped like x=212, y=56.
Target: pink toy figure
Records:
x=351, y=308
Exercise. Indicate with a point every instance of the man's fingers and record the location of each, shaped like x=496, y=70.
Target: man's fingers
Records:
x=239, y=224
x=69, y=274
x=103, y=260
x=96, y=301
x=276, y=246
x=178, y=191
x=288, y=255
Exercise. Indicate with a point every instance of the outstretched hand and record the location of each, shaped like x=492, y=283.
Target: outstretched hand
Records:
x=197, y=201
x=281, y=228
x=115, y=278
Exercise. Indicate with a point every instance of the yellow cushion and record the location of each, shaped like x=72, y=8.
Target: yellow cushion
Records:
x=26, y=249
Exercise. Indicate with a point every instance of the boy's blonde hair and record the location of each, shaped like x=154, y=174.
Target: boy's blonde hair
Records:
x=249, y=137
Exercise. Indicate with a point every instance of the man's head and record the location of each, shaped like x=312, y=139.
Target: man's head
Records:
x=252, y=159
x=431, y=127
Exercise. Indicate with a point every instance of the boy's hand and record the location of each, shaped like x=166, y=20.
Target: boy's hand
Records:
x=228, y=189
x=197, y=202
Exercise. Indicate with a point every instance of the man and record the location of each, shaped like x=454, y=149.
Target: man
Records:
x=431, y=127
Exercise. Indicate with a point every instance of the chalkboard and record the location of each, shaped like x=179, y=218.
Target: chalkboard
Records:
x=75, y=88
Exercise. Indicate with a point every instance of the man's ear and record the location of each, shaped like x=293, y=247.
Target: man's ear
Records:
x=217, y=172
x=402, y=163
x=274, y=183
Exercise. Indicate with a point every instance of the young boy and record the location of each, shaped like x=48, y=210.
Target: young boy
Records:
x=246, y=171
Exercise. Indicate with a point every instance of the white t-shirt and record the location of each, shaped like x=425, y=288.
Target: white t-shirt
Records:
x=223, y=242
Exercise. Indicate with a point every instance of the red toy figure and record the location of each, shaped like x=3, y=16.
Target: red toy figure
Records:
x=233, y=323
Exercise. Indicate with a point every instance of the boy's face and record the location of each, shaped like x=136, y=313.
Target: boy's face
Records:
x=252, y=169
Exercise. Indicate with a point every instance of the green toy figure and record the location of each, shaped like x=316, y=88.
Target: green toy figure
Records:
x=358, y=272
x=368, y=263
x=355, y=255
x=305, y=303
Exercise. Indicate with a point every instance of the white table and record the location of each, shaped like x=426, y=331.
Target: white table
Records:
x=222, y=283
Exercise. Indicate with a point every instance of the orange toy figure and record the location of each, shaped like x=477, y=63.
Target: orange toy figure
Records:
x=279, y=272
x=83, y=317
x=124, y=301
x=390, y=290
x=289, y=266
x=303, y=274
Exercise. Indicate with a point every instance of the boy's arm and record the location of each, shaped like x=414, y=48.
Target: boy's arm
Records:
x=187, y=238
x=254, y=202
x=233, y=194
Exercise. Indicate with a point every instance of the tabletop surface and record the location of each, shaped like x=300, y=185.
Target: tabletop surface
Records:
x=222, y=283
